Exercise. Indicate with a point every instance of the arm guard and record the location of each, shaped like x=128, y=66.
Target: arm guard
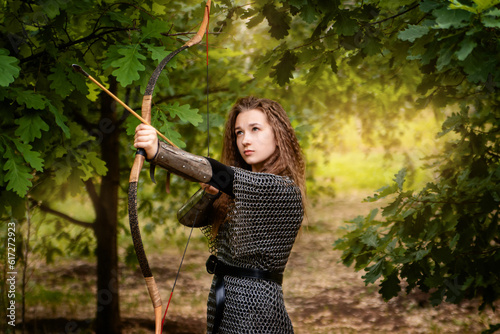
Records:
x=189, y=166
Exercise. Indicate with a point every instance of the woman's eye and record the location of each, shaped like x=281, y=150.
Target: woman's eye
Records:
x=255, y=129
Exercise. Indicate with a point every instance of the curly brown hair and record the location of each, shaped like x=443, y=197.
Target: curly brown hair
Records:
x=287, y=159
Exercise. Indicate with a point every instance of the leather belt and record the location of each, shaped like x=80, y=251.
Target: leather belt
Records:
x=220, y=269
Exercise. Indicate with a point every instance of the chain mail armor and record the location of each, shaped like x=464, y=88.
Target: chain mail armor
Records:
x=263, y=222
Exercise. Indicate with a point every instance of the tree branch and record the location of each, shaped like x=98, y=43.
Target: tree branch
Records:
x=92, y=36
x=94, y=197
x=398, y=14
x=47, y=209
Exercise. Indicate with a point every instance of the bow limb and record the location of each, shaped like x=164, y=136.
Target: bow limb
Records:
x=136, y=169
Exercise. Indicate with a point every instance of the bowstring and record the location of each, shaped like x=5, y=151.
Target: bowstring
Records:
x=178, y=272
x=208, y=93
x=196, y=217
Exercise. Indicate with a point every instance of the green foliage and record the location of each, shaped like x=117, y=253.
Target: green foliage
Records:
x=49, y=113
x=444, y=238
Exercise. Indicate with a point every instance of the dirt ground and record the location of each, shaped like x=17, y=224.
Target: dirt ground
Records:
x=321, y=295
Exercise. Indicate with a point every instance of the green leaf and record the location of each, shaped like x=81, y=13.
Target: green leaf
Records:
x=444, y=58
x=283, y=70
x=159, y=52
x=451, y=18
x=85, y=166
x=345, y=25
x=308, y=14
x=400, y=178
x=333, y=64
x=382, y=192
x=495, y=12
x=31, y=157
x=159, y=9
x=60, y=83
x=51, y=8
x=80, y=83
x=255, y=20
x=450, y=124
x=60, y=120
x=153, y=29
x=119, y=17
x=370, y=237
x=267, y=61
x=372, y=45
x=31, y=100
x=413, y=32
x=184, y=112
x=481, y=5
x=490, y=21
x=168, y=130
x=30, y=127
x=374, y=272
x=421, y=253
x=18, y=175
x=478, y=66
x=434, y=281
x=390, y=287
x=279, y=21
x=428, y=6
x=60, y=151
x=98, y=164
x=8, y=68
x=129, y=65
x=62, y=172
x=466, y=47
x=392, y=208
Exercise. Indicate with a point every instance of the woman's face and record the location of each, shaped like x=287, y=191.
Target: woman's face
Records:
x=254, y=138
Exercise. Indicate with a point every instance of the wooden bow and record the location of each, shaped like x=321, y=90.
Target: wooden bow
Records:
x=136, y=169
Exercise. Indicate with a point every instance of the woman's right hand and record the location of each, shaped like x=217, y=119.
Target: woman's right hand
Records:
x=209, y=189
x=146, y=138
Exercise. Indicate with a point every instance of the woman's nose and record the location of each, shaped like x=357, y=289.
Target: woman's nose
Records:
x=245, y=140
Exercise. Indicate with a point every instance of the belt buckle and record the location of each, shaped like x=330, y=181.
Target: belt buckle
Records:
x=211, y=264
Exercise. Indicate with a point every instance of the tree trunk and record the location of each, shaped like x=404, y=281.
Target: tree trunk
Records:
x=108, y=306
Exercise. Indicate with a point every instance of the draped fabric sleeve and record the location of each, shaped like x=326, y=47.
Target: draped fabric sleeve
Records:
x=222, y=177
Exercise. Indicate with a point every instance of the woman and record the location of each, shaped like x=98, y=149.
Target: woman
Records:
x=256, y=221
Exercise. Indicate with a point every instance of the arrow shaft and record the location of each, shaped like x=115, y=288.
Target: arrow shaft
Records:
x=79, y=69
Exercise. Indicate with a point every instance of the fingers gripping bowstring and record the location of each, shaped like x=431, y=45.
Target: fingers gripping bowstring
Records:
x=196, y=217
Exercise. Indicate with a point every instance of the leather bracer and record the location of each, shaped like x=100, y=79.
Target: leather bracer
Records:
x=189, y=166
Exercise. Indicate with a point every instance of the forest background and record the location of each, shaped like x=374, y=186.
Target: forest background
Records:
x=400, y=96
